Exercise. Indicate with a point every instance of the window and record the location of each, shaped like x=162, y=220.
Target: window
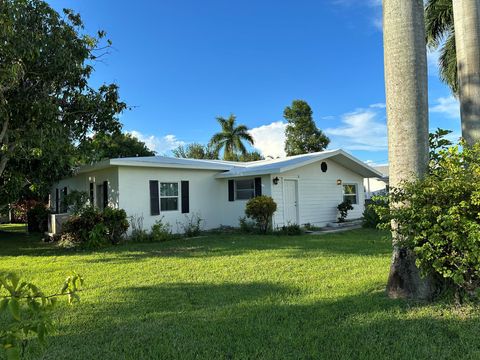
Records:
x=244, y=189
x=350, y=193
x=168, y=196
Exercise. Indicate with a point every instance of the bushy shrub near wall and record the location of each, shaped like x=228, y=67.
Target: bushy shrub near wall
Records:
x=371, y=219
x=261, y=210
x=37, y=218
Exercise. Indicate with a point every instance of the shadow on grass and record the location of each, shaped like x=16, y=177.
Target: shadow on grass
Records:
x=257, y=321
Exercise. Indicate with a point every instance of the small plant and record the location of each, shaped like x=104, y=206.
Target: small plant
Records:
x=247, y=226
x=371, y=219
x=261, y=210
x=28, y=310
x=289, y=230
x=310, y=227
x=115, y=220
x=75, y=201
x=343, y=208
x=192, y=225
x=138, y=232
x=161, y=231
x=96, y=237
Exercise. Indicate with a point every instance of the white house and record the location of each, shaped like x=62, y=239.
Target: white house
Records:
x=307, y=188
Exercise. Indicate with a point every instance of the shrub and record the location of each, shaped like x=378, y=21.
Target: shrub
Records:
x=192, y=226
x=439, y=217
x=38, y=218
x=75, y=201
x=343, y=209
x=247, y=226
x=261, y=209
x=115, y=220
x=26, y=311
x=78, y=227
x=161, y=231
x=371, y=219
x=290, y=230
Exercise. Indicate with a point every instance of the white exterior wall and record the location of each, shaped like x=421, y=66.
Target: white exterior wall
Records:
x=81, y=182
x=208, y=196
x=318, y=193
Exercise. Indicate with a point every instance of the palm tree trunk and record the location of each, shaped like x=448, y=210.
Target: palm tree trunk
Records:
x=407, y=113
x=466, y=14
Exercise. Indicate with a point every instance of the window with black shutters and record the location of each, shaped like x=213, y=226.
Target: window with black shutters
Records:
x=168, y=196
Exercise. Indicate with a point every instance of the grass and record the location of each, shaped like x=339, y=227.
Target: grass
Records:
x=239, y=297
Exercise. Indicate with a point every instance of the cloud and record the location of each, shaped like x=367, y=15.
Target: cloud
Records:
x=363, y=129
x=270, y=139
x=449, y=106
x=375, y=5
x=161, y=145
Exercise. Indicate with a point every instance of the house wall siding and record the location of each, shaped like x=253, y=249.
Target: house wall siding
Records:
x=318, y=193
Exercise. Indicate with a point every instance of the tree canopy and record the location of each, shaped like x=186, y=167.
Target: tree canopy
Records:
x=302, y=135
x=195, y=151
x=46, y=102
x=231, y=138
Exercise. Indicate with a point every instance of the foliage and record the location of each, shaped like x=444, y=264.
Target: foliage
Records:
x=116, y=223
x=38, y=218
x=289, y=230
x=302, y=135
x=138, y=234
x=29, y=311
x=192, y=226
x=231, y=138
x=76, y=230
x=161, y=231
x=111, y=146
x=196, y=151
x=343, y=208
x=371, y=218
x=310, y=227
x=248, y=156
x=437, y=143
x=440, y=33
x=261, y=210
x=46, y=103
x=247, y=226
x=96, y=237
x=75, y=201
x=438, y=217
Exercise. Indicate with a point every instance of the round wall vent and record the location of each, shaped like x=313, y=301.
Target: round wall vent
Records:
x=324, y=166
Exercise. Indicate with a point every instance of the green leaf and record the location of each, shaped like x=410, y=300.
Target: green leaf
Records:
x=13, y=353
x=3, y=304
x=14, y=307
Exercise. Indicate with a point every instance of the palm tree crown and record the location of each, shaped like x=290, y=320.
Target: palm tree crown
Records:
x=231, y=138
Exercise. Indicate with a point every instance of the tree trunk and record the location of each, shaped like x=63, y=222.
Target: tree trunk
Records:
x=407, y=113
x=466, y=14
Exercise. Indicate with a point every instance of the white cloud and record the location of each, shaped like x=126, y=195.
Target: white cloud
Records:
x=159, y=144
x=448, y=106
x=363, y=129
x=376, y=5
x=270, y=139
x=378, y=106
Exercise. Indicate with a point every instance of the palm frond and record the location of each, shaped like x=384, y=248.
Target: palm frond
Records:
x=448, y=64
x=438, y=21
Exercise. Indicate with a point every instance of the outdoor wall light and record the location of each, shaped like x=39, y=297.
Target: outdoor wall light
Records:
x=275, y=180
x=339, y=181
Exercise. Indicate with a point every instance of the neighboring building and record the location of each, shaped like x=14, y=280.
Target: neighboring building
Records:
x=377, y=185
x=307, y=188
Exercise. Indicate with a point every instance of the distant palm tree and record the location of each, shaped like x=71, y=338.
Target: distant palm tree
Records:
x=231, y=138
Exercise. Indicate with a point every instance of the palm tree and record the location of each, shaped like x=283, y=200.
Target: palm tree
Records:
x=231, y=138
x=407, y=115
x=441, y=33
x=466, y=14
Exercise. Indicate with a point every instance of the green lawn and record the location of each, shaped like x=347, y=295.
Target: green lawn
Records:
x=239, y=297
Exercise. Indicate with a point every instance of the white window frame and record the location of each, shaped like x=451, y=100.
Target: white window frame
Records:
x=160, y=196
x=253, y=189
x=356, y=192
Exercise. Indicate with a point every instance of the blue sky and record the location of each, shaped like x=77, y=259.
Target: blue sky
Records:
x=181, y=63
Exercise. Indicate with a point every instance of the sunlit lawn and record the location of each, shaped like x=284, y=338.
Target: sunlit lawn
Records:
x=239, y=297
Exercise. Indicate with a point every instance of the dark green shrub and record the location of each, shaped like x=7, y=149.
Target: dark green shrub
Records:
x=115, y=220
x=289, y=230
x=75, y=201
x=38, y=218
x=438, y=217
x=97, y=237
x=78, y=227
x=247, y=226
x=371, y=219
x=343, y=209
x=261, y=210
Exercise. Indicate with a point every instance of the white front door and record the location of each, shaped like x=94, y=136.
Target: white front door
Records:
x=291, y=202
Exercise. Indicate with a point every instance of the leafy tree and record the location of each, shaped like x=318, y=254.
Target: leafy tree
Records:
x=46, y=103
x=231, y=138
x=110, y=146
x=196, y=151
x=302, y=135
x=261, y=210
x=251, y=156
x=440, y=33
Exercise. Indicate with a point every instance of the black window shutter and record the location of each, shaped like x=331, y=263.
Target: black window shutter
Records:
x=231, y=190
x=105, y=194
x=258, y=186
x=64, y=204
x=91, y=194
x=57, y=201
x=154, y=199
x=185, y=198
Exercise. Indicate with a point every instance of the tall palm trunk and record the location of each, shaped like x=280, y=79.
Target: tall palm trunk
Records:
x=407, y=113
x=466, y=15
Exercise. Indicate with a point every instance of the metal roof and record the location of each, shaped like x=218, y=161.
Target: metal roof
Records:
x=230, y=169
